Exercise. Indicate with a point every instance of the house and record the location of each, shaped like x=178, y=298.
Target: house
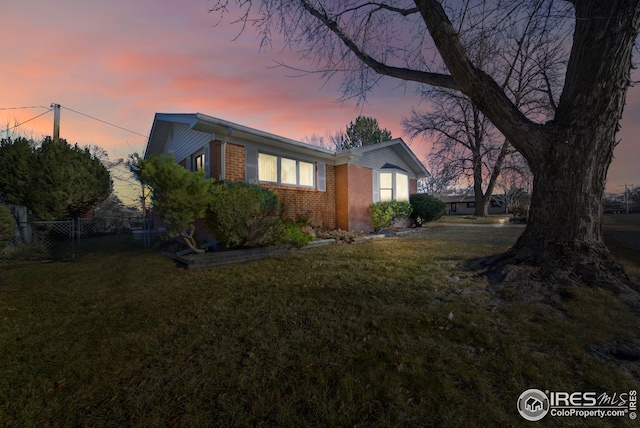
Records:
x=466, y=205
x=333, y=189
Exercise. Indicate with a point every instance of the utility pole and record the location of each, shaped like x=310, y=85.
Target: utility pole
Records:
x=56, y=122
x=626, y=195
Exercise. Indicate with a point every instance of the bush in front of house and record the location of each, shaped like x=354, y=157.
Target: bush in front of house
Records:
x=426, y=208
x=289, y=233
x=246, y=215
x=383, y=214
x=242, y=214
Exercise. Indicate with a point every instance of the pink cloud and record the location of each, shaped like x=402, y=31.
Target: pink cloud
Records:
x=123, y=61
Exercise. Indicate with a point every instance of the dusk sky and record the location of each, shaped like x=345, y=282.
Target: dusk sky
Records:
x=122, y=61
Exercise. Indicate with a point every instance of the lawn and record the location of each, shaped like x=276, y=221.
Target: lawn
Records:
x=345, y=335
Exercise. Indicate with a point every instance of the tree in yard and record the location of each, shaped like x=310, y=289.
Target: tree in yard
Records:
x=179, y=196
x=364, y=131
x=569, y=155
x=53, y=180
x=464, y=144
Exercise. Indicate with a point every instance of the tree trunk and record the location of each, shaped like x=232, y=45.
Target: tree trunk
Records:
x=562, y=243
x=563, y=239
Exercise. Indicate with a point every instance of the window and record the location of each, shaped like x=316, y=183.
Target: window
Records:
x=198, y=162
x=288, y=171
x=386, y=186
x=393, y=186
x=276, y=169
x=402, y=187
x=471, y=204
x=267, y=168
x=307, y=171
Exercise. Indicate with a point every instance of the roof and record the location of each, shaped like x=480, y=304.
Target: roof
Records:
x=223, y=128
x=400, y=148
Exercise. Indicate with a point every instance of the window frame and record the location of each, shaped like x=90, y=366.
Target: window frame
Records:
x=194, y=161
x=394, y=186
x=279, y=171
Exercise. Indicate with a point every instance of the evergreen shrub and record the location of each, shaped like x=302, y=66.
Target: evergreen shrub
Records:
x=383, y=214
x=426, y=208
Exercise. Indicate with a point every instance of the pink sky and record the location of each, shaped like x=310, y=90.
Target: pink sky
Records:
x=123, y=61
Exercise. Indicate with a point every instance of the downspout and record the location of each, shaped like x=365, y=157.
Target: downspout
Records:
x=223, y=153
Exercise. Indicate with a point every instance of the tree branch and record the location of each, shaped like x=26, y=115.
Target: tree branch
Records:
x=436, y=79
x=481, y=88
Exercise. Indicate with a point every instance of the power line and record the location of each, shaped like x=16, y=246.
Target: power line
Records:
x=29, y=120
x=105, y=122
x=22, y=108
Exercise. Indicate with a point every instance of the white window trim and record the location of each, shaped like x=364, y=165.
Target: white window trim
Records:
x=394, y=190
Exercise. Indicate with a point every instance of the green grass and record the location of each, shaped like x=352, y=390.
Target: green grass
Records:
x=337, y=336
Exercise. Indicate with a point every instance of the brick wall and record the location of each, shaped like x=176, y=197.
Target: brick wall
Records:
x=342, y=196
x=360, y=197
x=354, y=194
x=234, y=163
x=413, y=186
x=319, y=207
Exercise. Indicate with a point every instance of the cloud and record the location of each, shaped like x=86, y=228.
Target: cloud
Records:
x=122, y=61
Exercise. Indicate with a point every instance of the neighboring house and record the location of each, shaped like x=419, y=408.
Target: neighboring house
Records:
x=466, y=205
x=333, y=189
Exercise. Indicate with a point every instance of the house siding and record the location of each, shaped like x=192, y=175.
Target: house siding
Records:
x=184, y=141
x=375, y=159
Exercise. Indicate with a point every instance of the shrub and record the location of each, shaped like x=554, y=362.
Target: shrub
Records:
x=382, y=214
x=179, y=196
x=426, y=208
x=7, y=226
x=243, y=214
x=289, y=233
x=339, y=235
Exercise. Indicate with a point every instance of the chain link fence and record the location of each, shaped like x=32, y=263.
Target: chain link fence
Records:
x=39, y=241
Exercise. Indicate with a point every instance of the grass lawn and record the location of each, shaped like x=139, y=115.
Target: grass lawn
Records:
x=343, y=335
x=469, y=219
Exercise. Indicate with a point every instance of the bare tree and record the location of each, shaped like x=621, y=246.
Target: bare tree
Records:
x=464, y=140
x=464, y=144
x=438, y=185
x=569, y=155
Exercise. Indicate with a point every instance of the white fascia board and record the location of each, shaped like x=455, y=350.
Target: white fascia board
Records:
x=222, y=127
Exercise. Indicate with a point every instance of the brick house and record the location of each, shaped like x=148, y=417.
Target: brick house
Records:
x=333, y=189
